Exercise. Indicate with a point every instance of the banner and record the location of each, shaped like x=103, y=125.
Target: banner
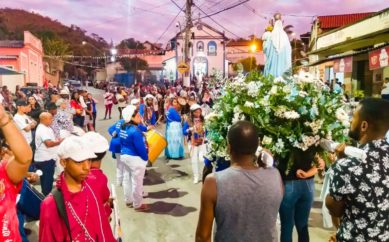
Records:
x=379, y=58
x=344, y=65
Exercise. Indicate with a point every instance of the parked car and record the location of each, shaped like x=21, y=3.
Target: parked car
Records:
x=113, y=85
x=74, y=85
x=29, y=90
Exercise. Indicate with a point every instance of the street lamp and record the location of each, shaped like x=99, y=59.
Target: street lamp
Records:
x=114, y=51
x=253, y=48
x=102, y=52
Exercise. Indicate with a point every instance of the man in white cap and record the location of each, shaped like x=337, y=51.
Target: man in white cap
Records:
x=74, y=204
x=134, y=155
x=97, y=179
x=66, y=88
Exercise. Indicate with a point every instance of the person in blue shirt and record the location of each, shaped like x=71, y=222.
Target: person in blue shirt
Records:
x=134, y=155
x=174, y=134
x=115, y=148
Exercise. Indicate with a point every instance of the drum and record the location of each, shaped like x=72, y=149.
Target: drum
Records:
x=157, y=143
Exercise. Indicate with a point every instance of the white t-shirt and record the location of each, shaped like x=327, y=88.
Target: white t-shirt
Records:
x=108, y=98
x=22, y=121
x=42, y=152
x=385, y=91
x=1, y=99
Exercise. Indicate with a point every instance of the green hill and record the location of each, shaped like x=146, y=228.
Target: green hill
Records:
x=14, y=21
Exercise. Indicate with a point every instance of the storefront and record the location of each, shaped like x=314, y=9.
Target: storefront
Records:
x=379, y=65
x=355, y=54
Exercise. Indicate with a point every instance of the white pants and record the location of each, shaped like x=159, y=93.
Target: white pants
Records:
x=119, y=170
x=197, y=159
x=134, y=172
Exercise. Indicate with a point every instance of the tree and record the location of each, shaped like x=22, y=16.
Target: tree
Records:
x=131, y=43
x=134, y=64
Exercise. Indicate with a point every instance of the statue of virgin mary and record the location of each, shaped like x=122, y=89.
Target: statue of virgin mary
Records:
x=277, y=49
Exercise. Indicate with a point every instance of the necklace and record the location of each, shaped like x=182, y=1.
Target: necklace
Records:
x=78, y=220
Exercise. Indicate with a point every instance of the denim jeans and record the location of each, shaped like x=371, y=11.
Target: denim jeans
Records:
x=47, y=178
x=295, y=208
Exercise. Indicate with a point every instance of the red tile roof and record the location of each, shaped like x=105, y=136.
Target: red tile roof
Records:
x=336, y=21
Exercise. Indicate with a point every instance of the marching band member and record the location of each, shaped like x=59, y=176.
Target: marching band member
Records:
x=115, y=148
x=174, y=134
x=194, y=129
x=73, y=212
x=97, y=179
x=134, y=156
x=147, y=110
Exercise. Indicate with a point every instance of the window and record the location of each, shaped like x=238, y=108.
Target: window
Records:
x=212, y=48
x=200, y=46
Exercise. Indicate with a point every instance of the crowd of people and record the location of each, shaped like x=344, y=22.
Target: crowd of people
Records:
x=51, y=138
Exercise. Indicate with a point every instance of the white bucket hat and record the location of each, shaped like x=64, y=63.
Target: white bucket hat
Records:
x=194, y=107
x=128, y=112
x=149, y=96
x=75, y=148
x=96, y=141
x=135, y=101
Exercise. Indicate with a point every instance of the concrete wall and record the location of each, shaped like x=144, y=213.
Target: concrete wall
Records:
x=11, y=81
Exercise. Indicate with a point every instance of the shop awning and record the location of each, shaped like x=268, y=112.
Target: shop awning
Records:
x=349, y=53
x=7, y=71
x=354, y=44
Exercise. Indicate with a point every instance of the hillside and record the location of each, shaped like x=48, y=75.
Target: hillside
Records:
x=14, y=21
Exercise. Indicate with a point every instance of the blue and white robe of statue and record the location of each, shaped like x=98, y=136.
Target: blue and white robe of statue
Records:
x=278, y=52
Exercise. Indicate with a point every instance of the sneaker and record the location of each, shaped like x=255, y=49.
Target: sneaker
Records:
x=143, y=207
x=129, y=205
x=196, y=180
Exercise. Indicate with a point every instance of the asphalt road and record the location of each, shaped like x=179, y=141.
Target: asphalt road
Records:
x=173, y=198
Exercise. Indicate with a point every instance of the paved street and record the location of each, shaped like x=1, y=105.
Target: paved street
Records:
x=173, y=198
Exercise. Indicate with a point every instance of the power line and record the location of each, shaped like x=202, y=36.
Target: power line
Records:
x=223, y=10
x=217, y=22
x=254, y=11
x=213, y=4
x=170, y=24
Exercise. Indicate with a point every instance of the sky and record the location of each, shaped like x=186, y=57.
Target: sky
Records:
x=149, y=19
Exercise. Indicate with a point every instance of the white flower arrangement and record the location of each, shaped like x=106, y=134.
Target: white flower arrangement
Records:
x=290, y=112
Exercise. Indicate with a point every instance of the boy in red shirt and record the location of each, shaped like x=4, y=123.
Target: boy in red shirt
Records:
x=84, y=211
x=97, y=179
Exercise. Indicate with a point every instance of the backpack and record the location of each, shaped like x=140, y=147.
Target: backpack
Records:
x=58, y=197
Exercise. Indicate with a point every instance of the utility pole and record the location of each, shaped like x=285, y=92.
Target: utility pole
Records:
x=188, y=26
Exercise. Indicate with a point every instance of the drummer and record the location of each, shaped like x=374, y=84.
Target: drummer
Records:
x=134, y=156
x=143, y=126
